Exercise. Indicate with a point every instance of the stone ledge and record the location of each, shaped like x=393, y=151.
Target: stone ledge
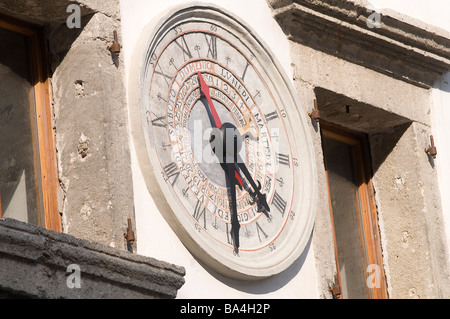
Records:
x=34, y=264
x=402, y=47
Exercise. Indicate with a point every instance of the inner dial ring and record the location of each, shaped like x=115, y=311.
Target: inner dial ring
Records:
x=192, y=120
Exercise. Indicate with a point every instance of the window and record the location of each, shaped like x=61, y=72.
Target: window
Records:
x=28, y=178
x=357, y=246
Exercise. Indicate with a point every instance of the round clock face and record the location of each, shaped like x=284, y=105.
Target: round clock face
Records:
x=223, y=144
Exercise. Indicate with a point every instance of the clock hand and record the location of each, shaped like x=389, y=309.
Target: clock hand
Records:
x=232, y=156
x=235, y=226
x=204, y=89
x=229, y=158
x=215, y=121
x=214, y=117
x=260, y=198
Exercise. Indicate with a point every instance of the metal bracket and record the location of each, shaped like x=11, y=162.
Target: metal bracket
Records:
x=315, y=114
x=432, y=151
x=129, y=235
x=336, y=288
x=115, y=46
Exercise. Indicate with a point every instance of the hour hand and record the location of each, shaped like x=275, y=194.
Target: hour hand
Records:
x=260, y=198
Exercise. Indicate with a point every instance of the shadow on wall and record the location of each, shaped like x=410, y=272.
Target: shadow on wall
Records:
x=58, y=19
x=61, y=38
x=267, y=285
x=377, y=123
x=443, y=84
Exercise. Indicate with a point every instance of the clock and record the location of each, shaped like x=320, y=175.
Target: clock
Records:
x=222, y=142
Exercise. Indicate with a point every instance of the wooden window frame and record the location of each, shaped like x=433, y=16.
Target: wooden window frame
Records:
x=45, y=155
x=369, y=229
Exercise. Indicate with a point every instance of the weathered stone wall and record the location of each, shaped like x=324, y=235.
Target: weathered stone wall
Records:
x=91, y=129
x=409, y=210
x=90, y=116
x=323, y=242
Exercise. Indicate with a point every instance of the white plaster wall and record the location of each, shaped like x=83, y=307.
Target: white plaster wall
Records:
x=434, y=12
x=154, y=236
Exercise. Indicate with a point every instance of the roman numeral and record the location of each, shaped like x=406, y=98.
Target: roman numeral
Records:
x=212, y=46
x=245, y=71
x=167, y=78
x=283, y=159
x=171, y=170
x=159, y=121
x=200, y=211
x=184, y=47
x=279, y=203
x=260, y=231
x=271, y=116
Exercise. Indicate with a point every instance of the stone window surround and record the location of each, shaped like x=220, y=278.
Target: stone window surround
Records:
x=90, y=117
x=384, y=75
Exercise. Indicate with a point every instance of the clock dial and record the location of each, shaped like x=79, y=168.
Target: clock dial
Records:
x=247, y=211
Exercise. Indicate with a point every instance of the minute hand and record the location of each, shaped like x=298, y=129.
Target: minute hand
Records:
x=204, y=89
x=235, y=226
x=260, y=198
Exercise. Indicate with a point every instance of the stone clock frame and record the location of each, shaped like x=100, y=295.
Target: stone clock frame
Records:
x=139, y=100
